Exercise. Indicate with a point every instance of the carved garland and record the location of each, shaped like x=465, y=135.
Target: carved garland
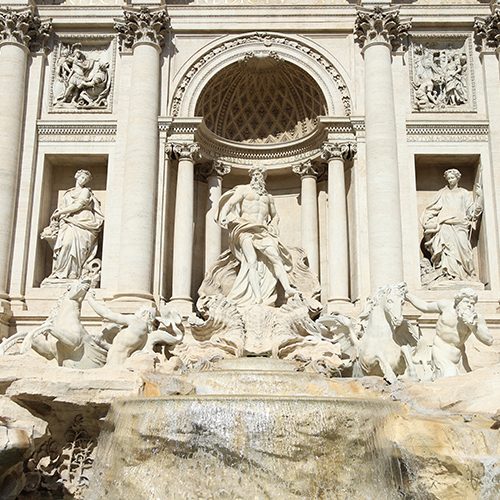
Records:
x=268, y=40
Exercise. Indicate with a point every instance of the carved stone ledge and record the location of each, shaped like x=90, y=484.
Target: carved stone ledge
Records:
x=380, y=25
x=25, y=28
x=450, y=132
x=182, y=151
x=487, y=30
x=143, y=26
x=341, y=150
x=98, y=132
x=308, y=169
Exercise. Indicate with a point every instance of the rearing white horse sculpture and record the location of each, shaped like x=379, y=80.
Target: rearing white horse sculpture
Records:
x=378, y=352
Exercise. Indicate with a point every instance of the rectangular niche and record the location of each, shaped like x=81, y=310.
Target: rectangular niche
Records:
x=58, y=177
x=82, y=74
x=429, y=171
x=442, y=74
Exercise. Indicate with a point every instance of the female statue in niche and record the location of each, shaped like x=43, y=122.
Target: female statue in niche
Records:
x=448, y=222
x=73, y=231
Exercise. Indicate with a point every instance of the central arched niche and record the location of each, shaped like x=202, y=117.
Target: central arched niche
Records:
x=261, y=100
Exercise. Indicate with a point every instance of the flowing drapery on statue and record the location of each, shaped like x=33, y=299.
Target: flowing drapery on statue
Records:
x=249, y=213
x=74, y=229
x=447, y=223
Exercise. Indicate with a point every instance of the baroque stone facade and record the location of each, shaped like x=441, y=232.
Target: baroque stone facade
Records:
x=370, y=130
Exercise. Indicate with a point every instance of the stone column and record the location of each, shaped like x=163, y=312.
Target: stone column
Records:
x=143, y=33
x=186, y=154
x=338, y=237
x=379, y=32
x=213, y=232
x=20, y=32
x=309, y=211
x=487, y=37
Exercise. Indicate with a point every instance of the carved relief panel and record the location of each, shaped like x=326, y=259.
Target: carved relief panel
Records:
x=441, y=74
x=82, y=74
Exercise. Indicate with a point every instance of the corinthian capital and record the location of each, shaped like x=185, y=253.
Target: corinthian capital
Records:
x=142, y=26
x=341, y=150
x=183, y=151
x=487, y=30
x=216, y=168
x=25, y=28
x=380, y=25
x=308, y=169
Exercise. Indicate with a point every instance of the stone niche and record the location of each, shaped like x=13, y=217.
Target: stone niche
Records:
x=429, y=170
x=58, y=176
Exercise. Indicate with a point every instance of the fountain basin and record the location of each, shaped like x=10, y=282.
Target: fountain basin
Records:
x=244, y=447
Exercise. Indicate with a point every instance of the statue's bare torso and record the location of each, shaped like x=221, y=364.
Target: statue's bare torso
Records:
x=254, y=207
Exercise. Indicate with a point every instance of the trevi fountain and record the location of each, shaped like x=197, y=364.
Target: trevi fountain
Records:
x=250, y=249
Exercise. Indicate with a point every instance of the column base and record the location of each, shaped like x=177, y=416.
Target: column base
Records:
x=5, y=317
x=182, y=305
x=340, y=305
x=130, y=301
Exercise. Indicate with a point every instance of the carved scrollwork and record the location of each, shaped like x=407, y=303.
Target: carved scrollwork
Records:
x=217, y=168
x=341, y=150
x=487, y=30
x=142, y=26
x=182, y=151
x=25, y=28
x=308, y=169
x=380, y=25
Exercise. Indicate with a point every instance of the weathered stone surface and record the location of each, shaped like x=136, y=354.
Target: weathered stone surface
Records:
x=474, y=392
x=19, y=432
x=446, y=457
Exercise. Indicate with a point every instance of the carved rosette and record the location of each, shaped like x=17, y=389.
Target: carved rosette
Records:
x=341, y=150
x=380, y=25
x=143, y=26
x=25, y=28
x=487, y=30
x=308, y=169
x=182, y=151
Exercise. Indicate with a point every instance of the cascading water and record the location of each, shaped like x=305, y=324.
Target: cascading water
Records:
x=247, y=445
x=256, y=429
x=244, y=447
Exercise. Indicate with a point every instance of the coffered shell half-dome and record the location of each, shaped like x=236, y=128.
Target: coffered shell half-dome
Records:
x=261, y=100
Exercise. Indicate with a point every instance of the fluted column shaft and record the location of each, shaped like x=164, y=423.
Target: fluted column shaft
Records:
x=338, y=238
x=137, y=241
x=182, y=271
x=379, y=32
x=213, y=232
x=20, y=31
x=309, y=212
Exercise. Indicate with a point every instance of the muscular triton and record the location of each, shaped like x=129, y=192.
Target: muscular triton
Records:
x=457, y=320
